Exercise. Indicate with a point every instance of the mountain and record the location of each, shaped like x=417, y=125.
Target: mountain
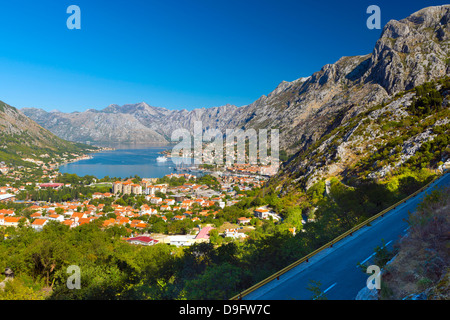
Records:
x=21, y=137
x=360, y=107
x=408, y=53
x=95, y=126
x=131, y=123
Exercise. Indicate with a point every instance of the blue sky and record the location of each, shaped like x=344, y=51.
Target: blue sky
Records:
x=175, y=54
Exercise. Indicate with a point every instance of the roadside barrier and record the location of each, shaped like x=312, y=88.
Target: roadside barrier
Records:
x=350, y=232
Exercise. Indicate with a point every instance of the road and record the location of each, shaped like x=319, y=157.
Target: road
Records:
x=336, y=267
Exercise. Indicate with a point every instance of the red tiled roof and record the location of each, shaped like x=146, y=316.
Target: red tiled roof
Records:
x=204, y=233
x=142, y=239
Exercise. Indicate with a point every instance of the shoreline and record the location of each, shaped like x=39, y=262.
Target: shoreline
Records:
x=83, y=157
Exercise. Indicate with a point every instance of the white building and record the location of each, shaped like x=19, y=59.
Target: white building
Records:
x=181, y=240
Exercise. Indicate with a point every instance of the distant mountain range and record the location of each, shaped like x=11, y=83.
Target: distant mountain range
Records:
x=128, y=124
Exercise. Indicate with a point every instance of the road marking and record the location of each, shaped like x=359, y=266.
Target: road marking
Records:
x=330, y=287
x=373, y=254
x=325, y=291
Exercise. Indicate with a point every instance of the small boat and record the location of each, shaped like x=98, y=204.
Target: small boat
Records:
x=161, y=159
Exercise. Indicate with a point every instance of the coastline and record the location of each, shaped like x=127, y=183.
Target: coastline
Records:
x=84, y=156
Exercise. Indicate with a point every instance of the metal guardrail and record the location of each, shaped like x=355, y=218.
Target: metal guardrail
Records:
x=330, y=244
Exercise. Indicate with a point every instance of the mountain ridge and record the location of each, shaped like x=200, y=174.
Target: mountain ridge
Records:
x=21, y=137
x=408, y=53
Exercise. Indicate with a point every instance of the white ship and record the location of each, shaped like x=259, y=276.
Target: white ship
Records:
x=161, y=159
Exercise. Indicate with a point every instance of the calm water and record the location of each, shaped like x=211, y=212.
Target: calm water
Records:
x=123, y=163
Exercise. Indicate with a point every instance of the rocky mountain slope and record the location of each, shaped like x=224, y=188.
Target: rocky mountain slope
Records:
x=380, y=140
x=21, y=137
x=409, y=53
x=95, y=126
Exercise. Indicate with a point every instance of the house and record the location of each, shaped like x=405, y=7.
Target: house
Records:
x=165, y=208
x=138, y=224
x=83, y=221
x=7, y=197
x=7, y=212
x=156, y=200
x=35, y=215
x=161, y=188
x=169, y=202
x=233, y=233
x=261, y=213
x=97, y=195
x=76, y=216
x=122, y=220
x=39, y=224
x=12, y=221
x=264, y=213
x=187, y=203
x=199, y=201
x=56, y=217
x=181, y=240
x=146, y=210
x=203, y=234
x=243, y=220
x=142, y=240
x=70, y=223
x=141, y=226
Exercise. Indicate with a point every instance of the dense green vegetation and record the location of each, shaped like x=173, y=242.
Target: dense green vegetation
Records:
x=428, y=99
x=208, y=180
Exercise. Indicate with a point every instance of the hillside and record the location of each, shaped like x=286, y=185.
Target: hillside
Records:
x=420, y=268
x=386, y=139
x=21, y=137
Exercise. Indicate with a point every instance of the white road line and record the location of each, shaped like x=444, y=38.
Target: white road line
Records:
x=373, y=254
x=325, y=291
x=330, y=287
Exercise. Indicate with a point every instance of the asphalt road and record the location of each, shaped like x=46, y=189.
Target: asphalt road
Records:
x=336, y=268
